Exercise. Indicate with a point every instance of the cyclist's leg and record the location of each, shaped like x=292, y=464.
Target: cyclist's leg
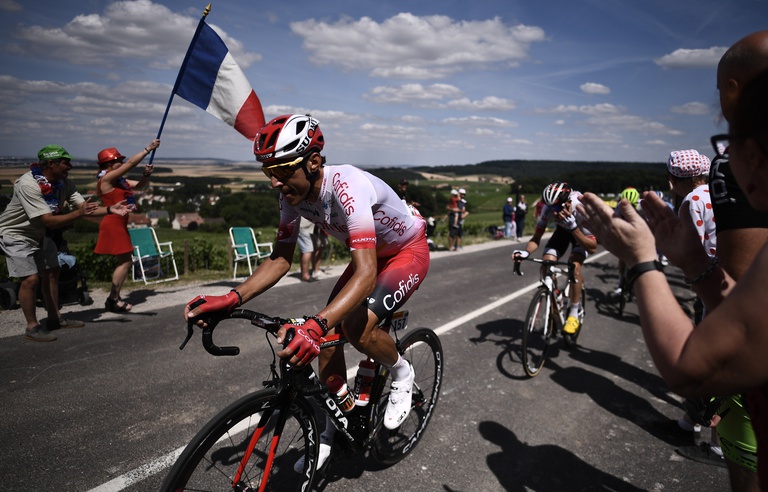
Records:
x=576, y=260
x=556, y=246
x=398, y=278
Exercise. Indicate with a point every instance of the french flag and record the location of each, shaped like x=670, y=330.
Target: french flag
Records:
x=212, y=80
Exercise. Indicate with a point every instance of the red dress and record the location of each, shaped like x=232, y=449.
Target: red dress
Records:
x=113, y=231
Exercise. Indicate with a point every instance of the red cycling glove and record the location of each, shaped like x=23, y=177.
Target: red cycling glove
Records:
x=216, y=303
x=306, y=340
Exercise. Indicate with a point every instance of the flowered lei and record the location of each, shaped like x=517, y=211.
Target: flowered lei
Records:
x=50, y=190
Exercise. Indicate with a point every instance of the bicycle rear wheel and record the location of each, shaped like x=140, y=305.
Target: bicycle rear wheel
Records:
x=571, y=338
x=253, y=444
x=539, y=328
x=422, y=348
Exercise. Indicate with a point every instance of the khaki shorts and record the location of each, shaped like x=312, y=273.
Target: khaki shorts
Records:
x=24, y=260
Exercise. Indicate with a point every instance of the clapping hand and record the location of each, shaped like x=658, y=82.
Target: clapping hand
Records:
x=121, y=208
x=626, y=235
x=89, y=207
x=675, y=237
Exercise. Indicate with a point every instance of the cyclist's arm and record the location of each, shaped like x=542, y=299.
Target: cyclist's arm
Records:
x=359, y=287
x=533, y=243
x=588, y=242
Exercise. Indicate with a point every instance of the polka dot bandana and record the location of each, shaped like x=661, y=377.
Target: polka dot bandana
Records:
x=687, y=163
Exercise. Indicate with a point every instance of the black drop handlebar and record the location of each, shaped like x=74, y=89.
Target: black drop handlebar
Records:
x=269, y=323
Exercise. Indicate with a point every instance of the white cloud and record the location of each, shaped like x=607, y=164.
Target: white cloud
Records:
x=594, y=88
x=684, y=58
x=480, y=121
x=412, y=94
x=657, y=143
x=559, y=122
x=413, y=47
x=604, y=108
x=106, y=40
x=490, y=103
x=692, y=108
x=444, y=96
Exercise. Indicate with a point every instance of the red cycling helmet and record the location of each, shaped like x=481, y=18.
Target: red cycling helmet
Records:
x=290, y=135
x=556, y=194
x=110, y=154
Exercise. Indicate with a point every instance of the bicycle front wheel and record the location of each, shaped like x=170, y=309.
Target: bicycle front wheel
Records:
x=422, y=348
x=253, y=444
x=539, y=328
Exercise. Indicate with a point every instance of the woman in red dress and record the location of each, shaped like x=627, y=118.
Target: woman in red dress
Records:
x=113, y=232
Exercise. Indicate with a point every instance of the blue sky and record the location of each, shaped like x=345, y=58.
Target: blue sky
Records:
x=392, y=82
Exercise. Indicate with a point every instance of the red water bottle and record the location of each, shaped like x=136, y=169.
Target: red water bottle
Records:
x=366, y=370
x=340, y=393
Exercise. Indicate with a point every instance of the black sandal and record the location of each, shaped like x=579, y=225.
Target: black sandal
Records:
x=112, y=305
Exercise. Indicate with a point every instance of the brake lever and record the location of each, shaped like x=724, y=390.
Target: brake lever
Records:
x=517, y=268
x=190, y=332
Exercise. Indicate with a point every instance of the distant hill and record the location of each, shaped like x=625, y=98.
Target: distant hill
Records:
x=598, y=177
x=519, y=169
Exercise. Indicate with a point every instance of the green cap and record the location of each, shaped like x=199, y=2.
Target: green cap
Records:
x=51, y=152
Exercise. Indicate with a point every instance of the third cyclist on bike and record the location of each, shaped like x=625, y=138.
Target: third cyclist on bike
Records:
x=560, y=207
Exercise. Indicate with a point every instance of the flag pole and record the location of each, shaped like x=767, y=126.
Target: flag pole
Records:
x=181, y=74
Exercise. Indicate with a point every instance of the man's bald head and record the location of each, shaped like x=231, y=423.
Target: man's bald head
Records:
x=740, y=63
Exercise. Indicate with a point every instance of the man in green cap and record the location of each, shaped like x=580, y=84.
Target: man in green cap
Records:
x=42, y=198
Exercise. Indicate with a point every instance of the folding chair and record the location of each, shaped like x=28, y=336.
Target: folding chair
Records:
x=147, y=255
x=245, y=246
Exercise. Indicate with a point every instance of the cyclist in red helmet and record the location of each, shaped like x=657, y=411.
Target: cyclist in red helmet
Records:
x=560, y=207
x=387, y=242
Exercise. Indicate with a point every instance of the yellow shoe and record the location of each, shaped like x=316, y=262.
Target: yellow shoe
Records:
x=571, y=325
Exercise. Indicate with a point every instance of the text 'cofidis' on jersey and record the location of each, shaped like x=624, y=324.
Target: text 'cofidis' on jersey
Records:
x=346, y=200
x=396, y=224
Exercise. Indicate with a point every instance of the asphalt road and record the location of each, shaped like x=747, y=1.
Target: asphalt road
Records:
x=105, y=406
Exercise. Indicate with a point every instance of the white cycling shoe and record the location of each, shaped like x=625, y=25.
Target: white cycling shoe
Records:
x=325, y=452
x=400, y=401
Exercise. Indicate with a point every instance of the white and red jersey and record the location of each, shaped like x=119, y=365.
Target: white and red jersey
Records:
x=358, y=209
x=703, y=216
x=547, y=215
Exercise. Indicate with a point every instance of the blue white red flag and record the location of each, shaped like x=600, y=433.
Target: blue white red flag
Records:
x=212, y=80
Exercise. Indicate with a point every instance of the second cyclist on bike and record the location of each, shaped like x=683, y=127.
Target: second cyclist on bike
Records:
x=387, y=243
x=560, y=203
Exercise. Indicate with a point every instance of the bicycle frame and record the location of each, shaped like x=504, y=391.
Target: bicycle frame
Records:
x=292, y=383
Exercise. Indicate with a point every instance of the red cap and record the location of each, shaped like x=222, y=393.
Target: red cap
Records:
x=109, y=154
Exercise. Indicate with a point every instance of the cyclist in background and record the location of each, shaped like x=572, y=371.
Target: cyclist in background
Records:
x=560, y=203
x=388, y=246
x=631, y=195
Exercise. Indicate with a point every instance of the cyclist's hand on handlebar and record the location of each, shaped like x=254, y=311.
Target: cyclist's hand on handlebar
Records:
x=518, y=256
x=305, y=344
x=210, y=304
